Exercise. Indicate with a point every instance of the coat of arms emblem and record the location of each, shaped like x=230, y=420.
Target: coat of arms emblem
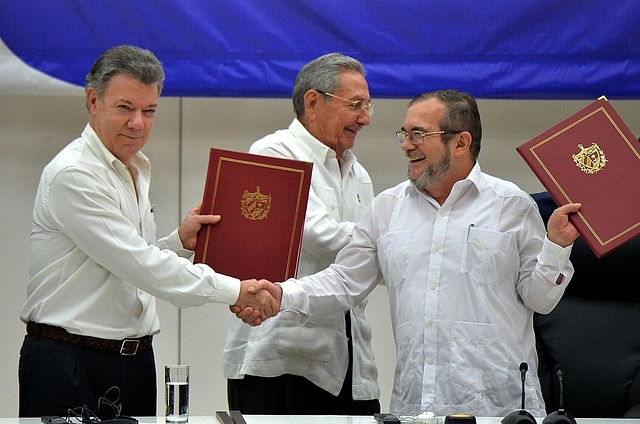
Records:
x=591, y=159
x=255, y=206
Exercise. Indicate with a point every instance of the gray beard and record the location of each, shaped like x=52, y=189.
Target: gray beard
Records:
x=434, y=173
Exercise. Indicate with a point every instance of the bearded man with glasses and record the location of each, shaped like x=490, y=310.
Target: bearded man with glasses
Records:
x=466, y=260
x=325, y=367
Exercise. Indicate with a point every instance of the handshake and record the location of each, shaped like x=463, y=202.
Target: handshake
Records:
x=258, y=300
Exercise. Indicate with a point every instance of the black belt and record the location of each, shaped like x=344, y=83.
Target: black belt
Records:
x=123, y=347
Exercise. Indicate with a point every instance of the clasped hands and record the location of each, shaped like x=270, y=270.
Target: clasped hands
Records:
x=258, y=300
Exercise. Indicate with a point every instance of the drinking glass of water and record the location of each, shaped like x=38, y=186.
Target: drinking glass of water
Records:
x=176, y=378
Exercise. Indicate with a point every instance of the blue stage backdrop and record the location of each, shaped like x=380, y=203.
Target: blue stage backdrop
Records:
x=524, y=49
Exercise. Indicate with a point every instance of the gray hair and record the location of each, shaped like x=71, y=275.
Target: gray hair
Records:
x=322, y=74
x=138, y=63
x=462, y=114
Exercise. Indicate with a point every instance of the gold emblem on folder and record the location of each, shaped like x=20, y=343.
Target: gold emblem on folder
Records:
x=255, y=206
x=591, y=159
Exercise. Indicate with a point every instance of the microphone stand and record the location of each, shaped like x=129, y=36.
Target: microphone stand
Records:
x=560, y=416
x=522, y=416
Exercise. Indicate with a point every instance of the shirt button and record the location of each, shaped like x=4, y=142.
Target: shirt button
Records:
x=433, y=286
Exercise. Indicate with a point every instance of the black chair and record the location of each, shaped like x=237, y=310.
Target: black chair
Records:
x=593, y=333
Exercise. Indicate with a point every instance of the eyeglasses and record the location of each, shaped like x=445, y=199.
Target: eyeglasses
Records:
x=358, y=105
x=417, y=137
x=108, y=413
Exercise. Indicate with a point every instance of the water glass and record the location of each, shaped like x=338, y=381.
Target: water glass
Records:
x=176, y=378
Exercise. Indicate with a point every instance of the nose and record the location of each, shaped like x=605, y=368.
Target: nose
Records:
x=363, y=117
x=406, y=144
x=136, y=120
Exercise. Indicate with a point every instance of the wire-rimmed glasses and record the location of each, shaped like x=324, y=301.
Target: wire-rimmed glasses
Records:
x=358, y=105
x=417, y=137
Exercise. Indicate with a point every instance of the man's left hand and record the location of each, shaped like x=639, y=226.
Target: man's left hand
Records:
x=559, y=229
x=188, y=230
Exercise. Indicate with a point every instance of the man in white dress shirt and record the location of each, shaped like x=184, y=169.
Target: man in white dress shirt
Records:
x=96, y=266
x=327, y=365
x=466, y=261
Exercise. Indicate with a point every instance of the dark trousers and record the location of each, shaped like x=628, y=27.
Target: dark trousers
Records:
x=56, y=376
x=294, y=395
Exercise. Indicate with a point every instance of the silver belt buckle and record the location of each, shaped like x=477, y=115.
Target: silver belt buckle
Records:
x=124, y=345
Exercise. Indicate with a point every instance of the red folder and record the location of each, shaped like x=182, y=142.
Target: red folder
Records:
x=262, y=201
x=592, y=158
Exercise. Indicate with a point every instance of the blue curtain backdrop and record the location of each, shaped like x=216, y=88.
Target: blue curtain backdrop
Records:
x=544, y=49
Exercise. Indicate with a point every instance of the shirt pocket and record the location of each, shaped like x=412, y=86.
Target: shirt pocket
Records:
x=316, y=339
x=329, y=200
x=479, y=356
x=393, y=255
x=407, y=379
x=484, y=255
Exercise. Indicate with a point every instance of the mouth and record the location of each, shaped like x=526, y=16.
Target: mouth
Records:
x=131, y=137
x=416, y=158
x=353, y=130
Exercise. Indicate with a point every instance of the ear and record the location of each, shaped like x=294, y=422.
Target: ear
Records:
x=91, y=98
x=311, y=101
x=462, y=143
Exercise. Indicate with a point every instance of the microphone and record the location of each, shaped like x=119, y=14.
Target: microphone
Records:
x=560, y=416
x=521, y=416
x=523, y=375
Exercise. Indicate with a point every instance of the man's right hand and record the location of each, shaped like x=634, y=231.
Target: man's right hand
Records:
x=258, y=301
